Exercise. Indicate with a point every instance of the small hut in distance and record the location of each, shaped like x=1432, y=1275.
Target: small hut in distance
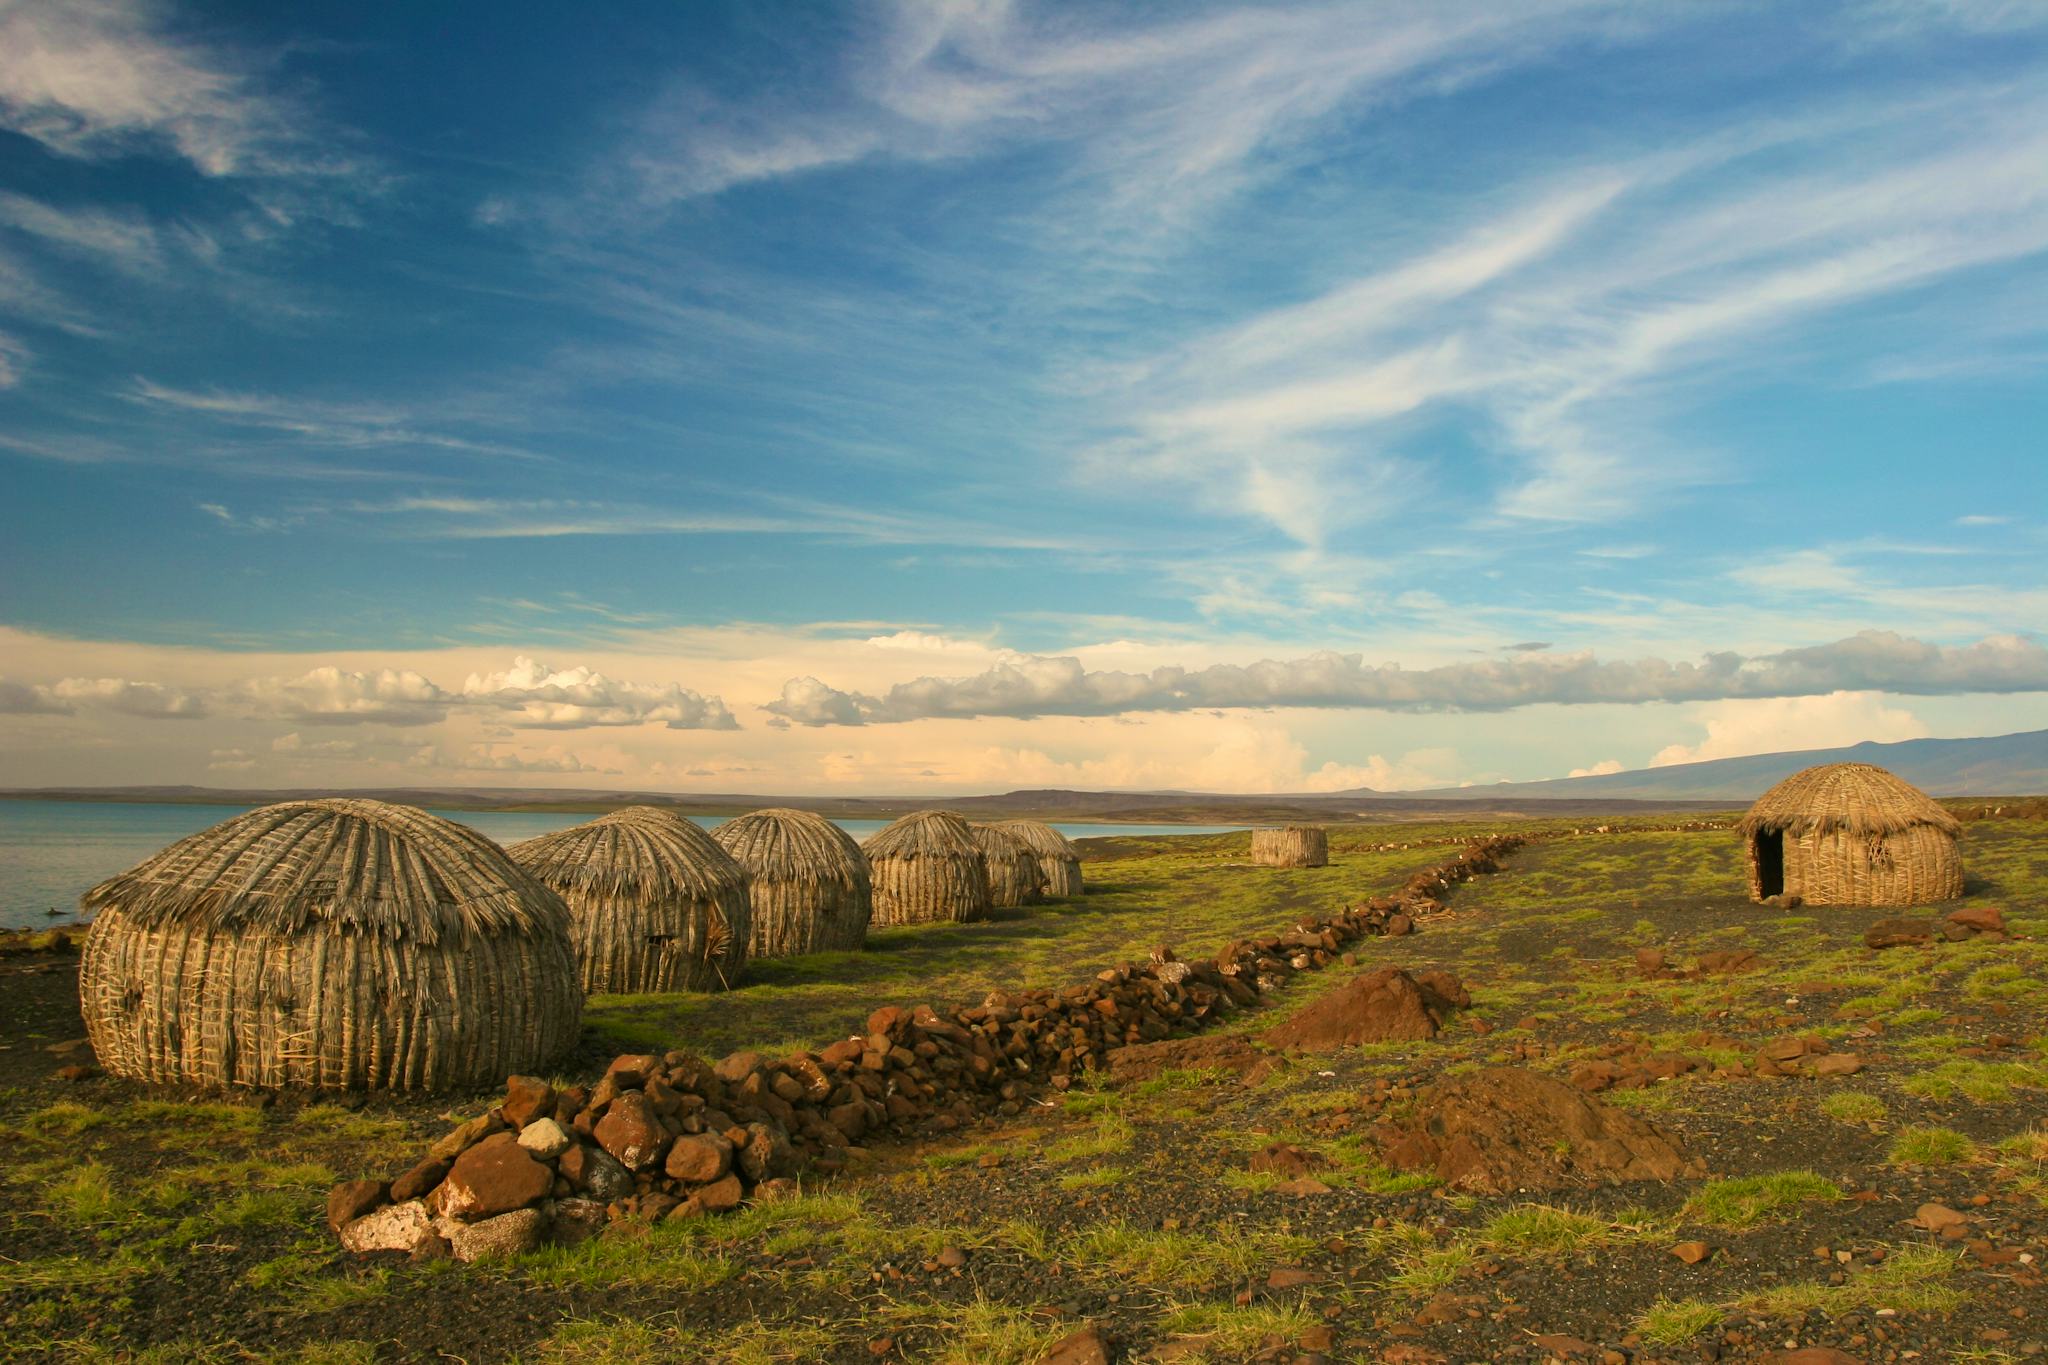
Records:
x=1291, y=846
x=808, y=883
x=1014, y=876
x=655, y=903
x=1851, y=834
x=1057, y=856
x=927, y=869
x=331, y=944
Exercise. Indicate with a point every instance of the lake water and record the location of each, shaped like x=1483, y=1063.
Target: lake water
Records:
x=52, y=852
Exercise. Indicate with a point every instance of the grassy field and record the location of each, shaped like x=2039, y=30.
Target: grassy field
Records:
x=150, y=1226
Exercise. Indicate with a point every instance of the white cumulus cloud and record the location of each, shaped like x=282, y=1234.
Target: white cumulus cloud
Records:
x=1789, y=724
x=535, y=696
x=1022, y=685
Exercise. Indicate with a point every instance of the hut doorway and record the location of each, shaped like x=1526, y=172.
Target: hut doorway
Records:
x=1768, y=848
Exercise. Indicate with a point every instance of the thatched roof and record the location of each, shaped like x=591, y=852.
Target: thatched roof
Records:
x=1041, y=838
x=792, y=845
x=996, y=842
x=925, y=834
x=366, y=866
x=641, y=854
x=1857, y=797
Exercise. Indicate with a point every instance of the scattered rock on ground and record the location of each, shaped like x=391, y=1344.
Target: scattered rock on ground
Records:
x=1085, y=1347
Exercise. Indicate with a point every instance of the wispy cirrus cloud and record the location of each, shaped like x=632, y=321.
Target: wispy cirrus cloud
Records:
x=1574, y=321
x=102, y=78
x=1034, y=685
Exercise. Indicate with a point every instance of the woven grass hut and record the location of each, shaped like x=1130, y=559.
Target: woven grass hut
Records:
x=808, y=886
x=332, y=945
x=1014, y=876
x=927, y=868
x=1291, y=846
x=654, y=903
x=1851, y=834
x=1057, y=857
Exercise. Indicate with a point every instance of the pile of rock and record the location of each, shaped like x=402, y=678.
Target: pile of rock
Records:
x=675, y=1136
x=1507, y=1129
x=1972, y=921
x=1384, y=1006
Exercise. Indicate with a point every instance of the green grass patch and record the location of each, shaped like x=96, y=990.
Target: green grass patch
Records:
x=1914, y=1279
x=1854, y=1106
x=1674, y=1322
x=661, y=1255
x=1547, y=1228
x=1918, y=1146
x=1747, y=1201
x=1978, y=1081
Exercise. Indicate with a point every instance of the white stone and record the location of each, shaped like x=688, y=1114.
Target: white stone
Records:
x=545, y=1139
x=508, y=1234
x=395, y=1227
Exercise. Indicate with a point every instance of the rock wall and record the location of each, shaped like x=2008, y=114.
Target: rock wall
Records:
x=675, y=1135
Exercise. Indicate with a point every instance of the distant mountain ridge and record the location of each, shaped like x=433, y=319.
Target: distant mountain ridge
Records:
x=2002, y=765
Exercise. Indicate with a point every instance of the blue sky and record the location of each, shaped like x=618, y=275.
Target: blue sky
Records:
x=954, y=396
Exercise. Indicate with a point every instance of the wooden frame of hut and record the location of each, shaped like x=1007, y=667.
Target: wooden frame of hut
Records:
x=655, y=904
x=1291, y=846
x=1058, y=858
x=1014, y=876
x=927, y=869
x=332, y=944
x=1851, y=834
x=808, y=886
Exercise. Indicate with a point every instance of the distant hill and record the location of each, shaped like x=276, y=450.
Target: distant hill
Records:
x=2002, y=765
x=2007, y=765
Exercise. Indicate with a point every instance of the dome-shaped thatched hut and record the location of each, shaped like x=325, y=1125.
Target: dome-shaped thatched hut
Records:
x=1291, y=846
x=1014, y=876
x=807, y=882
x=926, y=868
x=1851, y=834
x=329, y=944
x=654, y=903
x=1057, y=857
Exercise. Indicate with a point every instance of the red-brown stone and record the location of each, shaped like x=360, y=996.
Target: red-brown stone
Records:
x=632, y=1132
x=495, y=1176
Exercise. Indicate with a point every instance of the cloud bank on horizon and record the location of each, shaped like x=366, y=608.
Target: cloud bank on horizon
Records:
x=1278, y=396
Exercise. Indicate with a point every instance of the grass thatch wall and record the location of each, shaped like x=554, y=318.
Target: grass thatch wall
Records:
x=1291, y=846
x=655, y=903
x=1852, y=834
x=927, y=868
x=1014, y=876
x=1058, y=858
x=808, y=884
x=329, y=944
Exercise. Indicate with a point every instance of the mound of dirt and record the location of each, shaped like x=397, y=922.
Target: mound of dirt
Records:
x=1383, y=1006
x=1510, y=1129
x=1143, y=1061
